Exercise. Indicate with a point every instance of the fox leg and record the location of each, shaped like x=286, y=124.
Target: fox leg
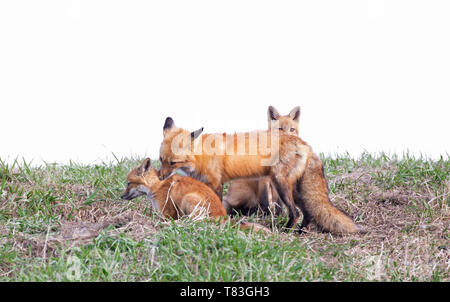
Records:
x=307, y=218
x=285, y=192
x=264, y=195
x=276, y=200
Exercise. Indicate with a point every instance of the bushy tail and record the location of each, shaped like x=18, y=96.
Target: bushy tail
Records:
x=312, y=198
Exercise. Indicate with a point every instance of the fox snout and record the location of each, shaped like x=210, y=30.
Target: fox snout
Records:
x=126, y=196
x=130, y=194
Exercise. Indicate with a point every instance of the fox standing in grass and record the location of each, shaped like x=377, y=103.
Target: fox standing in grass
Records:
x=223, y=157
x=250, y=194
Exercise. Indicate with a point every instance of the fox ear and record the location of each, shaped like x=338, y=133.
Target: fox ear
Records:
x=145, y=166
x=168, y=124
x=295, y=113
x=272, y=114
x=196, y=133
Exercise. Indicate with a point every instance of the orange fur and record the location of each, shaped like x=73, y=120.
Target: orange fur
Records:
x=178, y=196
x=249, y=194
x=310, y=194
x=291, y=158
x=175, y=196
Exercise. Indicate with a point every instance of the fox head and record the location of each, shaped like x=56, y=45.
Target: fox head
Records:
x=141, y=180
x=176, y=149
x=287, y=123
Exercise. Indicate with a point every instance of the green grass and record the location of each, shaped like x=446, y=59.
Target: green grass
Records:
x=68, y=223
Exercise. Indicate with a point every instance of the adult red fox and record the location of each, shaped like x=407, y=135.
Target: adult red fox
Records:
x=178, y=195
x=217, y=158
x=247, y=195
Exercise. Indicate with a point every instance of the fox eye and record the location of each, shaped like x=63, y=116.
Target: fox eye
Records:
x=281, y=129
x=172, y=163
x=292, y=129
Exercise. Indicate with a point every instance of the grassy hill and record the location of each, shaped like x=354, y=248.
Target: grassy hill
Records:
x=67, y=222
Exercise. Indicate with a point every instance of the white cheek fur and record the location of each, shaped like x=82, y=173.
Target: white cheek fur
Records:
x=146, y=191
x=143, y=189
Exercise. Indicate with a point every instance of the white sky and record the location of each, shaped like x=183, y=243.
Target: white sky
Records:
x=82, y=79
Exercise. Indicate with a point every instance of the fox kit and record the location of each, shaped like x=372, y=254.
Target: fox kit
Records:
x=236, y=156
x=178, y=195
x=250, y=194
x=310, y=193
x=175, y=196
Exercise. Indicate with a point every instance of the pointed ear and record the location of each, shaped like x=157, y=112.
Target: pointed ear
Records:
x=145, y=166
x=168, y=124
x=295, y=113
x=272, y=114
x=196, y=133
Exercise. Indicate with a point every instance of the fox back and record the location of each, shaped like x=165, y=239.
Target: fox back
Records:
x=224, y=157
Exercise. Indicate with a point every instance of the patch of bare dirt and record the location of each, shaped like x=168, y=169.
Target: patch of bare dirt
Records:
x=72, y=234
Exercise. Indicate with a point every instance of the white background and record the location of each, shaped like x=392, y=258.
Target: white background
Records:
x=80, y=80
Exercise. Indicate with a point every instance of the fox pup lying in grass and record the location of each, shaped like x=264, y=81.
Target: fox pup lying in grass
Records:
x=177, y=195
